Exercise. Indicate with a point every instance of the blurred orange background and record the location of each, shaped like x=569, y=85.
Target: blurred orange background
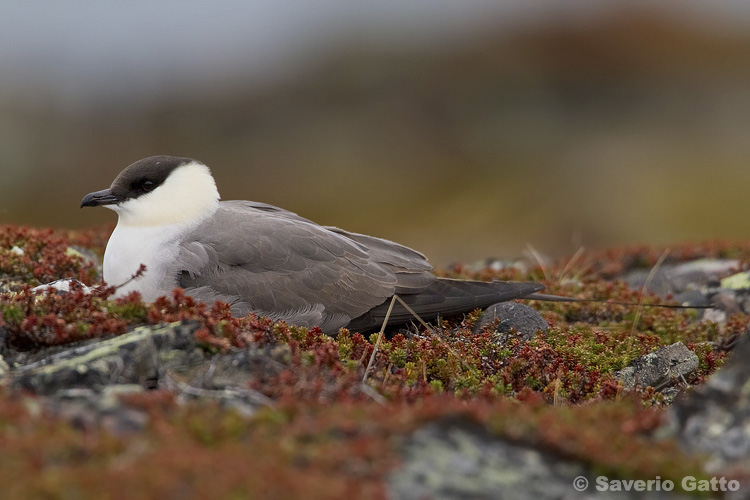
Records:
x=462, y=131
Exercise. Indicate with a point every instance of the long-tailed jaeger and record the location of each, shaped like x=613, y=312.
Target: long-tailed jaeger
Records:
x=267, y=260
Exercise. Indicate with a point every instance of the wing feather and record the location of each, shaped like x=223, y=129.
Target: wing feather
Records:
x=276, y=261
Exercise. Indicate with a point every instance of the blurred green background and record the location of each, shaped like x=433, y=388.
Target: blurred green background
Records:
x=463, y=129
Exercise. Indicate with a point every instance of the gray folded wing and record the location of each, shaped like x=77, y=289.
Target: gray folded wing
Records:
x=266, y=260
x=263, y=259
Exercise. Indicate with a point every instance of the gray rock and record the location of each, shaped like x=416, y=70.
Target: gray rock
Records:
x=726, y=302
x=82, y=384
x=671, y=279
x=456, y=459
x=715, y=417
x=660, y=368
x=506, y=316
x=742, y=299
x=692, y=298
x=521, y=264
x=659, y=285
x=225, y=378
x=138, y=357
x=62, y=286
x=88, y=409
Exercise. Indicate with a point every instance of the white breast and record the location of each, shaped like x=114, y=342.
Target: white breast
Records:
x=130, y=246
x=149, y=229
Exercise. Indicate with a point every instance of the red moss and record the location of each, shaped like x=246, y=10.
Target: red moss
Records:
x=40, y=256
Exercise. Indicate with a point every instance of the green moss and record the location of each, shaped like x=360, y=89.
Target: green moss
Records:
x=11, y=313
x=132, y=312
x=398, y=357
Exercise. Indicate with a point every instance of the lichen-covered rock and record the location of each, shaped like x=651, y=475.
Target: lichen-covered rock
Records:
x=82, y=384
x=506, y=316
x=715, y=417
x=457, y=459
x=138, y=357
x=660, y=368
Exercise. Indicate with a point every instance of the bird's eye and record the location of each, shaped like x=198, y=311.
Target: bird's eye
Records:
x=147, y=185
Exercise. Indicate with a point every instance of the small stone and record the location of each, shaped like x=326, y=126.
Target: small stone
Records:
x=726, y=302
x=694, y=298
x=62, y=286
x=660, y=368
x=506, y=316
x=658, y=285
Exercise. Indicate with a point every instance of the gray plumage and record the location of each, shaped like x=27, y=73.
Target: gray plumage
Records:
x=281, y=265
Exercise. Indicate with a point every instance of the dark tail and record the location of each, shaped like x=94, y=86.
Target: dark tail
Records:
x=445, y=297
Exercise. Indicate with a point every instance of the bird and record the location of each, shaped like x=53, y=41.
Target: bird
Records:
x=266, y=260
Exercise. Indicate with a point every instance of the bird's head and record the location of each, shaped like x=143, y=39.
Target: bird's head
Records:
x=159, y=190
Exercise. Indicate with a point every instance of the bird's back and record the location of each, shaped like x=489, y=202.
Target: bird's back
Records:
x=267, y=260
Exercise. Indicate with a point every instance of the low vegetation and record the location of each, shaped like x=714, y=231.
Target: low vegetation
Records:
x=328, y=434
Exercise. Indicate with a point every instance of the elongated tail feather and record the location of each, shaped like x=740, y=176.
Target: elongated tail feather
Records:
x=445, y=297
